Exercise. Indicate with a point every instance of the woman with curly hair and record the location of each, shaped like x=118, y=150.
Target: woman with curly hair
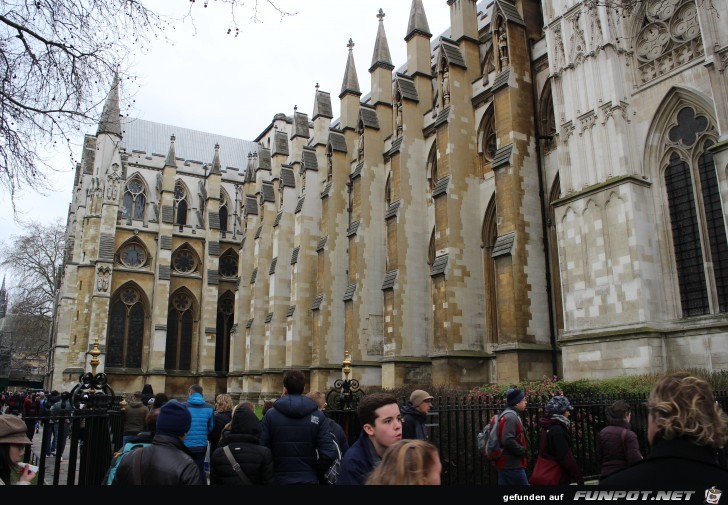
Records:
x=408, y=462
x=686, y=431
x=223, y=415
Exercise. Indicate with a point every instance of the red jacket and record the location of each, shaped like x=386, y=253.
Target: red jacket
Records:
x=513, y=441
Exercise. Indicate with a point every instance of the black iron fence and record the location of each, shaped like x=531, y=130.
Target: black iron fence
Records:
x=454, y=424
x=91, y=438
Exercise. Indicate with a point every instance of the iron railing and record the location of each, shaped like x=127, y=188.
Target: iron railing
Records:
x=454, y=423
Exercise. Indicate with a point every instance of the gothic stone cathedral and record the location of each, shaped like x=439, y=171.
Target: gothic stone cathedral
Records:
x=541, y=189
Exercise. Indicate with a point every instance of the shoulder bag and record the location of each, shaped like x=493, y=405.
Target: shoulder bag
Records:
x=547, y=471
x=236, y=466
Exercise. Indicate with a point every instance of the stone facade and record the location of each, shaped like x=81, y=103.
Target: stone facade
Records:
x=538, y=191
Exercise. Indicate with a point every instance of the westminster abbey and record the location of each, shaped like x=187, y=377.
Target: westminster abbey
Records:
x=540, y=190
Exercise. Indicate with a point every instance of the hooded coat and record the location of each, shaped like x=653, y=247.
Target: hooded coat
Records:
x=243, y=439
x=298, y=434
x=202, y=423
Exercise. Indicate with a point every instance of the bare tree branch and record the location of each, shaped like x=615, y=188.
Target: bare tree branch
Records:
x=57, y=61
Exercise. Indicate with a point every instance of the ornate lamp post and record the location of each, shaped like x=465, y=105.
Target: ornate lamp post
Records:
x=92, y=399
x=345, y=394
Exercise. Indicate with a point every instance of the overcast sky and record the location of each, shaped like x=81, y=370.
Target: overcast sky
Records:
x=218, y=83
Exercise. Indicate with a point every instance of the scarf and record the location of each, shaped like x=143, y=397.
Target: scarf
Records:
x=561, y=418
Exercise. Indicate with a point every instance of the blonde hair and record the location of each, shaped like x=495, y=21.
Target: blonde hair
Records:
x=406, y=462
x=223, y=402
x=319, y=398
x=684, y=406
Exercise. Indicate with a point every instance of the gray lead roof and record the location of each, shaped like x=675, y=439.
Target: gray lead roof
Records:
x=140, y=135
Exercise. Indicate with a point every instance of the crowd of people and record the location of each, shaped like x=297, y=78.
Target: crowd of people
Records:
x=169, y=442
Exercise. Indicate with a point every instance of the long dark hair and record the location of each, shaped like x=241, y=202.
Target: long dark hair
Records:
x=5, y=463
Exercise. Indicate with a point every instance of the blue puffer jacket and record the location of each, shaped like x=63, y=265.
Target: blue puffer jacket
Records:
x=295, y=430
x=358, y=462
x=202, y=421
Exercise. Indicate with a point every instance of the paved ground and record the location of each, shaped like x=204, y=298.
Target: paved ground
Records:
x=50, y=461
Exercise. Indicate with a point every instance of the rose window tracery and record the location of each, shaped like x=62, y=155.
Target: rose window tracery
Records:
x=669, y=37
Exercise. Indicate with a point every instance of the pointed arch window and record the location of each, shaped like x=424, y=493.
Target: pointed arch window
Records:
x=225, y=319
x=224, y=212
x=388, y=191
x=547, y=119
x=697, y=218
x=489, y=237
x=134, y=200
x=181, y=204
x=125, y=329
x=178, y=352
x=488, y=142
x=432, y=174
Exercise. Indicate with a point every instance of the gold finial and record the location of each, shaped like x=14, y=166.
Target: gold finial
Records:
x=95, y=353
x=346, y=365
x=123, y=403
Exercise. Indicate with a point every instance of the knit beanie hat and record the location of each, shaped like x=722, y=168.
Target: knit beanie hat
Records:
x=558, y=405
x=418, y=396
x=174, y=419
x=514, y=396
x=12, y=430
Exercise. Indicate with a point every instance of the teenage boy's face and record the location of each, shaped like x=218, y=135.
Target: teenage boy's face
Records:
x=387, y=428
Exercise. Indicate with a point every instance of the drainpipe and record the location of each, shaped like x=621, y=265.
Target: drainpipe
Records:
x=544, y=214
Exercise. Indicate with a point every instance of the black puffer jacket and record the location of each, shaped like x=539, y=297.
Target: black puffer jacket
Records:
x=166, y=462
x=296, y=430
x=243, y=438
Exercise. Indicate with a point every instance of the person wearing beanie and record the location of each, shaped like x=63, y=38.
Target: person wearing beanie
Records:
x=414, y=414
x=167, y=462
x=555, y=440
x=13, y=439
x=243, y=440
x=511, y=466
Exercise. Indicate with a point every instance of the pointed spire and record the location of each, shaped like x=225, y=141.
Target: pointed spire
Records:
x=3, y=300
x=417, y=20
x=171, y=160
x=322, y=104
x=351, y=81
x=216, y=161
x=110, y=121
x=381, y=47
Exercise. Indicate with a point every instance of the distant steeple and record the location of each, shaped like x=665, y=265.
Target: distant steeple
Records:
x=417, y=20
x=3, y=300
x=171, y=156
x=381, y=47
x=216, y=162
x=351, y=81
x=110, y=121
